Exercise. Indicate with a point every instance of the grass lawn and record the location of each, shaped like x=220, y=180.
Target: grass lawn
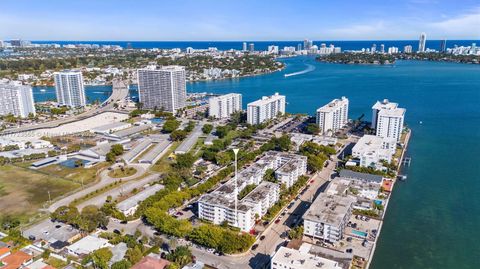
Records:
x=24, y=191
x=126, y=172
x=77, y=174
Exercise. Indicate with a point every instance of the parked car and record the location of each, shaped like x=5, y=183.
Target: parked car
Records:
x=254, y=247
x=262, y=237
x=277, y=221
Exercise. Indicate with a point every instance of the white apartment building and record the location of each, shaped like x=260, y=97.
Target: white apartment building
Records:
x=388, y=118
x=288, y=167
x=328, y=216
x=422, y=42
x=69, y=88
x=219, y=206
x=301, y=259
x=162, y=88
x=223, y=106
x=265, y=109
x=332, y=116
x=370, y=150
x=16, y=99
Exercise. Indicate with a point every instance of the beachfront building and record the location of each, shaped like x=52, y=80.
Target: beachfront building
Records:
x=69, y=88
x=371, y=150
x=16, y=99
x=387, y=119
x=265, y=109
x=301, y=259
x=328, y=216
x=219, y=205
x=162, y=88
x=223, y=106
x=333, y=116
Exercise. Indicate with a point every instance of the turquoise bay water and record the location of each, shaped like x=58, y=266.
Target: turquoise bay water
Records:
x=433, y=219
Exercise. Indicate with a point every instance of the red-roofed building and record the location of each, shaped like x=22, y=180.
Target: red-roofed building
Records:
x=16, y=260
x=4, y=252
x=149, y=262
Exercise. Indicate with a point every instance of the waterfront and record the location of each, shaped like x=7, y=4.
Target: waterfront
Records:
x=432, y=218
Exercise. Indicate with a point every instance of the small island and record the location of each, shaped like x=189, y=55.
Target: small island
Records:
x=357, y=58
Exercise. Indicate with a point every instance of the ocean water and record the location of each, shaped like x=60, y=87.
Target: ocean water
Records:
x=262, y=45
x=433, y=219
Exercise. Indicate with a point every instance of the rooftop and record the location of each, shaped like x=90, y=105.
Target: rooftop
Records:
x=88, y=244
x=385, y=104
x=15, y=260
x=134, y=200
x=362, y=176
x=266, y=100
x=329, y=209
x=133, y=130
x=149, y=262
x=334, y=104
x=396, y=112
x=190, y=141
x=301, y=259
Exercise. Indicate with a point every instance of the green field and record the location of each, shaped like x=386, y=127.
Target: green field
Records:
x=24, y=191
x=77, y=175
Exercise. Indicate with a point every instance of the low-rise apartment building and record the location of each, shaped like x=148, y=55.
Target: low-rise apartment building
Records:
x=328, y=216
x=371, y=150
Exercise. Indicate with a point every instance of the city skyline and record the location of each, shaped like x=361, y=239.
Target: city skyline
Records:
x=215, y=20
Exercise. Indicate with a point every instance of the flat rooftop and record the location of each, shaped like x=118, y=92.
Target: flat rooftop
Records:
x=297, y=259
x=266, y=100
x=134, y=200
x=333, y=105
x=133, y=130
x=330, y=209
x=362, y=176
x=108, y=127
x=190, y=141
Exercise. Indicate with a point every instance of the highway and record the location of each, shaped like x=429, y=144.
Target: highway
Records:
x=119, y=92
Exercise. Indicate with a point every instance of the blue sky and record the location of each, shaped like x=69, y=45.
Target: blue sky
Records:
x=238, y=20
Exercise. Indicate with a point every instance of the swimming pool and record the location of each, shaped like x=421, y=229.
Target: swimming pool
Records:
x=70, y=163
x=359, y=233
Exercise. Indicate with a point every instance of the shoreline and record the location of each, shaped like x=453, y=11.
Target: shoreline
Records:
x=404, y=150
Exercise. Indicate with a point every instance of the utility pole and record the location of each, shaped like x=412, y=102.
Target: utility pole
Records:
x=235, y=151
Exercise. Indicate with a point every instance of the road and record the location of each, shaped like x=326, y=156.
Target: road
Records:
x=119, y=92
x=104, y=181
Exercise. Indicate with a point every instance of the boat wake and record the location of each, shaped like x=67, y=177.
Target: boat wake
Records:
x=309, y=68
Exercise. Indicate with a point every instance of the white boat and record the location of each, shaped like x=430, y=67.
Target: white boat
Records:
x=43, y=90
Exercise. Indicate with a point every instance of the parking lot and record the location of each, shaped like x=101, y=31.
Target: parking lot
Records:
x=51, y=232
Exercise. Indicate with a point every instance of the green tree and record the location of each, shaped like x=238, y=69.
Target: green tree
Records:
x=117, y=149
x=134, y=254
x=123, y=264
x=223, y=158
x=207, y=128
x=312, y=128
x=184, y=160
x=170, y=125
x=181, y=255
x=178, y=135
x=270, y=176
x=101, y=257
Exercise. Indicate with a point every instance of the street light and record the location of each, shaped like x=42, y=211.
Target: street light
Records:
x=235, y=151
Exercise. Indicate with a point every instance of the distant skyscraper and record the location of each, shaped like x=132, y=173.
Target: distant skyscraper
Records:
x=162, y=88
x=374, y=48
x=382, y=48
x=422, y=42
x=244, y=48
x=299, y=47
x=251, y=47
x=333, y=115
x=408, y=49
x=16, y=99
x=443, y=46
x=69, y=88
x=223, y=106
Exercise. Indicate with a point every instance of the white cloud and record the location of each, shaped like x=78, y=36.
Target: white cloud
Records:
x=463, y=26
